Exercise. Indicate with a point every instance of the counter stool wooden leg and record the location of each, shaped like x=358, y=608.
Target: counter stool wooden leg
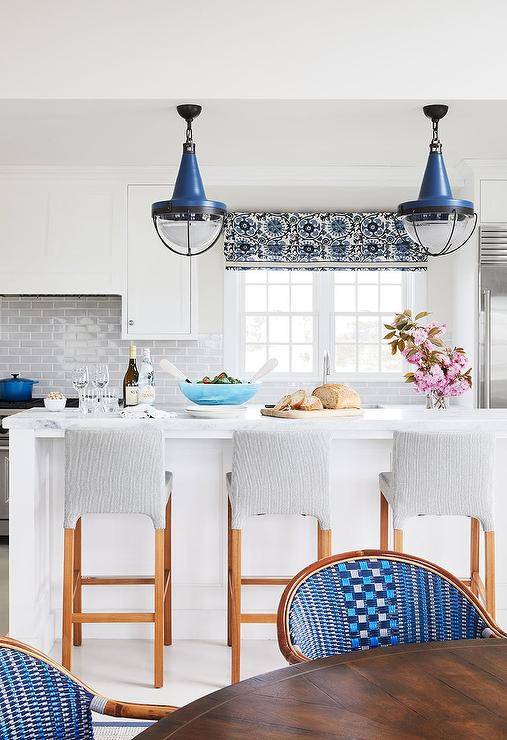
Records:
x=490, y=573
x=77, y=628
x=168, y=635
x=235, y=592
x=229, y=601
x=474, y=553
x=398, y=540
x=384, y=522
x=158, y=642
x=68, y=588
x=323, y=542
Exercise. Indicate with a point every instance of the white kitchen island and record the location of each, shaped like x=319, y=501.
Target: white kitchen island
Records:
x=198, y=452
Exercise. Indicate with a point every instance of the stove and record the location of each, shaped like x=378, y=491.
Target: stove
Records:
x=13, y=406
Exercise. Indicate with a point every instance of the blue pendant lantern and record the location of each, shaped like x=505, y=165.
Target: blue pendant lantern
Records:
x=189, y=223
x=436, y=221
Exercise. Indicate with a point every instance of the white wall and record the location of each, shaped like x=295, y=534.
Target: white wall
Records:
x=254, y=48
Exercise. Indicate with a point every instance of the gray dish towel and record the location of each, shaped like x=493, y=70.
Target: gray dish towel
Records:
x=442, y=473
x=280, y=473
x=115, y=472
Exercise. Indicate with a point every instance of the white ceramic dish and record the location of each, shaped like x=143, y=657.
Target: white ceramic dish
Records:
x=215, y=412
x=55, y=404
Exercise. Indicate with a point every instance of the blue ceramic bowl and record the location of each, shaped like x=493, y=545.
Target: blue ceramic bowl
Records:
x=217, y=394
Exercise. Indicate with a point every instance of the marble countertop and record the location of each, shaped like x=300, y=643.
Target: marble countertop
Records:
x=373, y=423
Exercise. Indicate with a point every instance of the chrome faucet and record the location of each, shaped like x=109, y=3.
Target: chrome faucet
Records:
x=326, y=367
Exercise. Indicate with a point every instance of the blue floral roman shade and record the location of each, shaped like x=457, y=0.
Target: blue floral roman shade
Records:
x=319, y=241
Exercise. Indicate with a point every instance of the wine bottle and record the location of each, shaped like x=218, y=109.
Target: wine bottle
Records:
x=146, y=379
x=131, y=380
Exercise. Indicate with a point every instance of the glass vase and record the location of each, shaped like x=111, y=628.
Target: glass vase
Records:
x=435, y=400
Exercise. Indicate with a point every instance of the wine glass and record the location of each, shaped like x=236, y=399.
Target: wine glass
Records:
x=100, y=378
x=80, y=382
x=90, y=401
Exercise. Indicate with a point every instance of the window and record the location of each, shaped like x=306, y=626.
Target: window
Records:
x=296, y=315
x=365, y=300
x=279, y=320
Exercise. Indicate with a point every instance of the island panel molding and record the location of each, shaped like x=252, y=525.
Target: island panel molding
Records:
x=198, y=452
x=319, y=241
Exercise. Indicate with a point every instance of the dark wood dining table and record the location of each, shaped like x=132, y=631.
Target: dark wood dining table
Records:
x=452, y=689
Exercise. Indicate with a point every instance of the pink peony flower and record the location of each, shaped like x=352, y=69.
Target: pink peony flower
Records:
x=419, y=335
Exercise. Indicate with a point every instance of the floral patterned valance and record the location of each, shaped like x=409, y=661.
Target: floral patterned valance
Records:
x=319, y=241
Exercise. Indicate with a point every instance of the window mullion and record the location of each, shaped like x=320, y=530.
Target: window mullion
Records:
x=323, y=309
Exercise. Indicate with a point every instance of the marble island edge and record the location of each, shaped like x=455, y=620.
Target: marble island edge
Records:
x=371, y=424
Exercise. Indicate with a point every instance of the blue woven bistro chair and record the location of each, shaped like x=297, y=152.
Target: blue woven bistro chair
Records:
x=41, y=700
x=371, y=598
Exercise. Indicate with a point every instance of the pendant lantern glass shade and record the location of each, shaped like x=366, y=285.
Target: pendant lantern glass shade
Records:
x=437, y=221
x=189, y=223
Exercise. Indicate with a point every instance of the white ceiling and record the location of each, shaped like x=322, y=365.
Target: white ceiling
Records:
x=237, y=49
x=246, y=132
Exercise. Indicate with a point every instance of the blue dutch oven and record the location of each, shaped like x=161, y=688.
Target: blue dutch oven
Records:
x=16, y=389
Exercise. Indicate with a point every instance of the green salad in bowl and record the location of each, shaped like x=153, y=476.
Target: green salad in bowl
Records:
x=223, y=389
x=222, y=379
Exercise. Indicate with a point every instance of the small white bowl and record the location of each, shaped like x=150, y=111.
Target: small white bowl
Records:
x=55, y=404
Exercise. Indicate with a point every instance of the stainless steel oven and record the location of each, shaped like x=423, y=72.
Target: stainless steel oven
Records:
x=7, y=408
x=4, y=487
x=4, y=474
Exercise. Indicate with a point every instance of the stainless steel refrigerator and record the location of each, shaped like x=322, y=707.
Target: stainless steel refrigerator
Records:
x=493, y=317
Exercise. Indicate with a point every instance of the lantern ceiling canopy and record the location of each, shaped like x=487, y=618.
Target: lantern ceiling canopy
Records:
x=189, y=223
x=437, y=221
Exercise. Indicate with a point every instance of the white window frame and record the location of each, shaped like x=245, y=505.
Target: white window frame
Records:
x=414, y=297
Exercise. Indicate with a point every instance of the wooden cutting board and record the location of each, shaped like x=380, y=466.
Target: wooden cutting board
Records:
x=308, y=415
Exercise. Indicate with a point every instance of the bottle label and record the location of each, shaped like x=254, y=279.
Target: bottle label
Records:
x=147, y=394
x=131, y=395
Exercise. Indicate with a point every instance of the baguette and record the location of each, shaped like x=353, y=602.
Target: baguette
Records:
x=337, y=396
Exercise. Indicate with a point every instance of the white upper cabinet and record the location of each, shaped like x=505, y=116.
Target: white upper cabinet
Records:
x=161, y=288
x=493, y=201
x=60, y=236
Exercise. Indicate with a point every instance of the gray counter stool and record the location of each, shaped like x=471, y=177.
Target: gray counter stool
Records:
x=116, y=472
x=283, y=472
x=444, y=474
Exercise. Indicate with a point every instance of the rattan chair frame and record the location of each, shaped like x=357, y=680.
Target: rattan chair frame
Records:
x=291, y=652
x=112, y=707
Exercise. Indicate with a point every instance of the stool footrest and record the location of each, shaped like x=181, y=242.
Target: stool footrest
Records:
x=265, y=581
x=117, y=580
x=258, y=618
x=117, y=617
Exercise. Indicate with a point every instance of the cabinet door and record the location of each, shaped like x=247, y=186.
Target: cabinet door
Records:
x=493, y=201
x=161, y=285
x=60, y=237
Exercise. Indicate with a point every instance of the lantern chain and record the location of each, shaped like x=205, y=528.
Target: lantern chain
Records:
x=435, y=144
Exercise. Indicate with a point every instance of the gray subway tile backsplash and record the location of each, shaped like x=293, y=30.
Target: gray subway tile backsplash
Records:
x=45, y=337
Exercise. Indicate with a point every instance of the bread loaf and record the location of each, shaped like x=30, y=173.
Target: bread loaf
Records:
x=283, y=403
x=311, y=403
x=297, y=399
x=337, y=396
x=291, y=401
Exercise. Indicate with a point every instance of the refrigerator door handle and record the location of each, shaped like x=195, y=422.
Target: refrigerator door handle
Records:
x=486, y=303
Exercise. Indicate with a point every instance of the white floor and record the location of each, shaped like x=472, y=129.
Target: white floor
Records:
x=122, y=669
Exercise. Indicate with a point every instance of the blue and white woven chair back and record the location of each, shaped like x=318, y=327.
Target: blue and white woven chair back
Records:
x=39, y=701
x=369, y=599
